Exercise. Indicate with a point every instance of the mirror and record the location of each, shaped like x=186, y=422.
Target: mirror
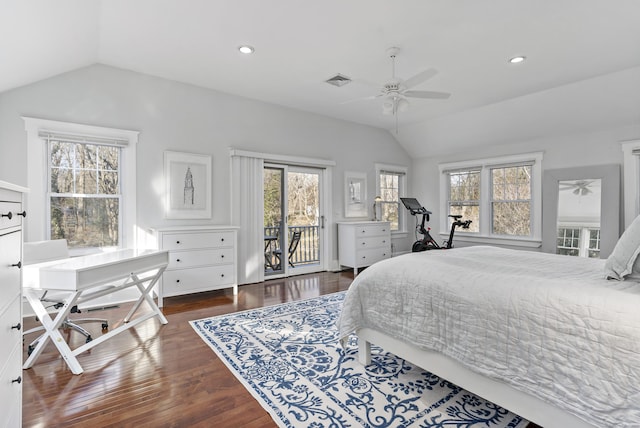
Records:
x=581, y=206
x=578, y=222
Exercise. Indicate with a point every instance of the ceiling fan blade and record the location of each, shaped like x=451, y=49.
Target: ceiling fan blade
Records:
x=427, y=94
x=420, y=77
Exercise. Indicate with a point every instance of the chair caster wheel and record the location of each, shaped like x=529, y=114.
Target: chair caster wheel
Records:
x=89, y=339
x=105, y=325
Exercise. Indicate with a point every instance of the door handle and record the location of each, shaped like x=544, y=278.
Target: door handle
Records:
x=321, y=222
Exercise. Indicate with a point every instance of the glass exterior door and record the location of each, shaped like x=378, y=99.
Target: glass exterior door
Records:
x=292, y=242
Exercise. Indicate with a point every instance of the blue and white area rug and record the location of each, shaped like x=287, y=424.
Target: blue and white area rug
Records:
x=288, y=356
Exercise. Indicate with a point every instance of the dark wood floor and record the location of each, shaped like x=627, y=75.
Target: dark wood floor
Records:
x=159, y=376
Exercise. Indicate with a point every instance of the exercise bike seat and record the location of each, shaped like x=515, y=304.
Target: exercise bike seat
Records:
x=455, y=216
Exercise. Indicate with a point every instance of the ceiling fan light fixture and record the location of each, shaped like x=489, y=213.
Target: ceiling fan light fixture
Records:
x=246, y=49
x=403, y=105
x=387, y=107
x=517, y=59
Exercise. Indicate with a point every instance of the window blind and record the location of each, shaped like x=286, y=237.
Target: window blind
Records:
x=389, y=172
x=82, y=139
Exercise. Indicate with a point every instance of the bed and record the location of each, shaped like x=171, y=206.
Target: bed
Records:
x=545, y=336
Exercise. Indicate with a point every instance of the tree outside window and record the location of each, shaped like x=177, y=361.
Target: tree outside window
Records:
x=501, y=196
x=511, y=200
x=84, y=193
x=464, y=197
x=389, y=191
x=391, y=185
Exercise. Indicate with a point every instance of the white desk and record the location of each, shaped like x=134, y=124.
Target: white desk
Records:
x=87, y=278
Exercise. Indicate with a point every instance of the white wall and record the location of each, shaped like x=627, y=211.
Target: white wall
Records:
x=180, y=117
x=560, y=151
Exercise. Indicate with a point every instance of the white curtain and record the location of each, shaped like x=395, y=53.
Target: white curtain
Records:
x=247, y=211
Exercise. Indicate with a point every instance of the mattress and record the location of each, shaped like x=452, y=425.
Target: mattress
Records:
x=548, y=325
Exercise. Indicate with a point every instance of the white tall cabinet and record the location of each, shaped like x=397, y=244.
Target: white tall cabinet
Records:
x=11, y=216
x=201, y=258
x=363, y=243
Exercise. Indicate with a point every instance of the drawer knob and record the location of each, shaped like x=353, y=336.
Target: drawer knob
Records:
x=222, y=275
x=384, y=241
x=8, y=215
x=177, y=280
x=18, y=265
x=17, y=326
x=178, y=260
x=18, y=380
x=177, y=242
x=364, y=243
x=222, y=239
x=222, y=256
x=23, y=214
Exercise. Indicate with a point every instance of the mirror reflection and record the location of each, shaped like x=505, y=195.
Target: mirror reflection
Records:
x=579, y=212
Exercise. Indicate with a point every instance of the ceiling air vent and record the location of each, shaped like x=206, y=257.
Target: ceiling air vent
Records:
x=338, y=80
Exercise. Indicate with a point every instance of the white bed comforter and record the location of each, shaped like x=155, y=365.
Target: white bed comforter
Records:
x=548, y=325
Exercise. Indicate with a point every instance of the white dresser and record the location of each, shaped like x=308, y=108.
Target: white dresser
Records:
x=201, y=258
x=363, y=243
x=12, y=214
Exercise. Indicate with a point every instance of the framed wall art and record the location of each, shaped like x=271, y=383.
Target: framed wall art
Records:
x=188, y=185
x=355, y=194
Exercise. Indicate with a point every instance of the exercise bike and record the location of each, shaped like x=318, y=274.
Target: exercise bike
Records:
x=427, y=242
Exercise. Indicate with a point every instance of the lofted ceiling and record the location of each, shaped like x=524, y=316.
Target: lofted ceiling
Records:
x=573, y=48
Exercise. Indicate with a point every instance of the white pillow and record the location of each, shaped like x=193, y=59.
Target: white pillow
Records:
x=624, y=258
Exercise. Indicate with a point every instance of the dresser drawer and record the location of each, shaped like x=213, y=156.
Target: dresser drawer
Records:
x=9, y=275
x=187, y=259
x=183, y=281
x=369, y=257
x=10, y=209
x=10, y=388
x=372, y=230
x=372, y=242
x=183, y=241
x=10, y=336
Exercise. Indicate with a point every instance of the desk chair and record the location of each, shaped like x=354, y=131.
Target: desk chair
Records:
x=47, y=251
x=293, y=245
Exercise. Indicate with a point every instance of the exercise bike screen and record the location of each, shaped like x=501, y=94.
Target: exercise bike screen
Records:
x=411, y=204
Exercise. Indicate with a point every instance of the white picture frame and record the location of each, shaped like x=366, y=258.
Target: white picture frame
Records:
x=355, y=194
x=188, y=185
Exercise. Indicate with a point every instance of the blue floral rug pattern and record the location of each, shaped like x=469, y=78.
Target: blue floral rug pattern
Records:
x=288, y=356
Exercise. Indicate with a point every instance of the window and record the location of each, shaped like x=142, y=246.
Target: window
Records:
x=84, y=193
x=578, y=241
x=501, y=196
x=464, y=196
x=391, y=183
x=511, y=200
x=568, y=241
x=83, y=179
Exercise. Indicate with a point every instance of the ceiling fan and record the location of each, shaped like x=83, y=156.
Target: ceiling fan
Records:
x=396, y=91
x=579, y=188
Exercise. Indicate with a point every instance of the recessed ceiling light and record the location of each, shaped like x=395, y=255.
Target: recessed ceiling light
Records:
x=517, y=59
x=246, y=49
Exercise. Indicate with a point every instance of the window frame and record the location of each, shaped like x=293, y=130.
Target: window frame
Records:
x=402, y=173
x=485, y=234
x=38, y=181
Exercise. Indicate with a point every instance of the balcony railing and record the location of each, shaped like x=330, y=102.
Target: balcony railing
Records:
x=307, y=251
